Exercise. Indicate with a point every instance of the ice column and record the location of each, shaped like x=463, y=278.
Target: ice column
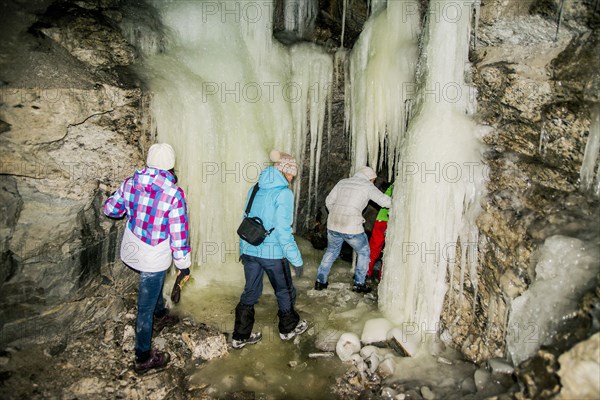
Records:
x=439, y=179
x=224, y=94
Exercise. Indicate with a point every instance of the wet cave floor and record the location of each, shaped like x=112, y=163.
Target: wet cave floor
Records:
x=98, y=365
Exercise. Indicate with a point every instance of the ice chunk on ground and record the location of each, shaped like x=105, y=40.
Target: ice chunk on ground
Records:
x=375, y=330
x=347, y=345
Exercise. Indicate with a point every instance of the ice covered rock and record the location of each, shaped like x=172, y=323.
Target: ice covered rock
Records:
x=500, y=366
x=481, y=378
x=367, y=351
x=386, y=368
x=375, y=330
x=566, y=269
x=373, y=362
x=347, y=345
x=404, y=340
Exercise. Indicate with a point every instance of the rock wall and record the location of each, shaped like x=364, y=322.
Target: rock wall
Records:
x=73, y=126
x=537, y=89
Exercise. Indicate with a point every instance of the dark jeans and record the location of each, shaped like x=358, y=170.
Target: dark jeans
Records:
x=150, y=303
x=280, y=277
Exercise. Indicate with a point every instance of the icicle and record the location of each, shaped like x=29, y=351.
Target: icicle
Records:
x=382, y=73
x=559, y=18
x=345, y=7
x=543, y=139
x=377, y=5
x=316, y=83
x=300, y=16
x=591, y=161
x=476, y=16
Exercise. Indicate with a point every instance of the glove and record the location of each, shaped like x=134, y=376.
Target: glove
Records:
x=299, y=271
x=182, y=277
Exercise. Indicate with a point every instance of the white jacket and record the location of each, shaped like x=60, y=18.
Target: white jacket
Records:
x=348, y=199
x=145, y=258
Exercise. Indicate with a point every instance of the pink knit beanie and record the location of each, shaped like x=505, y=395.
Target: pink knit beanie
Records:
x=284, y=162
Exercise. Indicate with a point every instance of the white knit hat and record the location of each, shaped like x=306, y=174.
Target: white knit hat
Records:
x=284, y=162
x=368, y=172
x=161, y=156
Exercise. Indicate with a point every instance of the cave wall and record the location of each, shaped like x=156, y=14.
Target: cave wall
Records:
x=536, y=89
x=73, y=125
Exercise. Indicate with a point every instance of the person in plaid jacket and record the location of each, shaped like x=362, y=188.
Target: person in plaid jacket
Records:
x=156, y=235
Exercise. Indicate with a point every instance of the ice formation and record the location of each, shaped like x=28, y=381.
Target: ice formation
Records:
x=439, y=179
x=375, y=330
x=591, y=162
x=225, y=94
x=566, y=268
x=380, y=84
x=299, y=16
x=347, y=346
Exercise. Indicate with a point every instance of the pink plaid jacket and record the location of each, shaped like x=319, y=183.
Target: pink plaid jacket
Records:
x=156, y=209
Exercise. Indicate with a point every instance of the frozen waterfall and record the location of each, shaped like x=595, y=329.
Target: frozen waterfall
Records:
x=381, y=84
x=225, y=94
x=439, y=178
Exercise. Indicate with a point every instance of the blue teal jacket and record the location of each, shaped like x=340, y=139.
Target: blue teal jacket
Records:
x=274, y=205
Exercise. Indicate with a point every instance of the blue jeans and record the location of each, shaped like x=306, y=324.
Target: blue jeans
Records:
x=278, y=272
x=359, y=242
x=150, y=303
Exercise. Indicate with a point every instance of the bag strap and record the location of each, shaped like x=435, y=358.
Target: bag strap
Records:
x=249, y=206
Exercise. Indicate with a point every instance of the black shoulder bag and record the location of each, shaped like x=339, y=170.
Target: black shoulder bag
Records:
x=251, y=229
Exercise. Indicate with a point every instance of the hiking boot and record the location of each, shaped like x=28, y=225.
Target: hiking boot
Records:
x=254, y=338
x=298, y=330
x=165, y=321
x=321, y=286
x=361, y=288
x=157, y=359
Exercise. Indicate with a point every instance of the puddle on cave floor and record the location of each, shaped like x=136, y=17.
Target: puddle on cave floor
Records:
x=274, y=369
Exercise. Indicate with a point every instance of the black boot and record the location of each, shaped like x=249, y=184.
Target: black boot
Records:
x=244, y=321
x=288, y=321
x=361, y=288
x=321, y=286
